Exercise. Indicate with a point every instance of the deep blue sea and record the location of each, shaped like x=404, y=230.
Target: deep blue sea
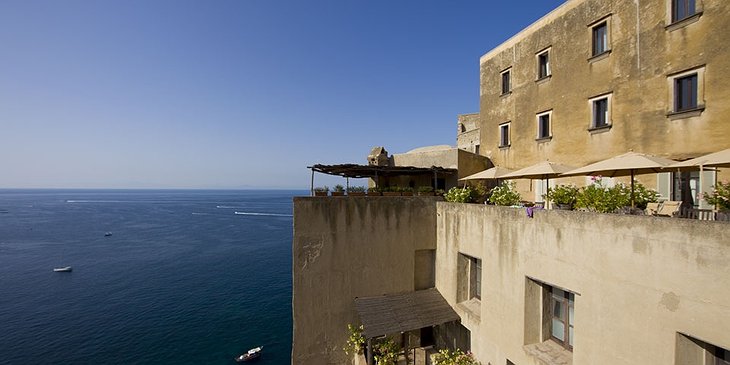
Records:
x=183, y=279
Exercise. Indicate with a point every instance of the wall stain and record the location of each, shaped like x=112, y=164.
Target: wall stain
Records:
x=310, y=252
x=670, y=301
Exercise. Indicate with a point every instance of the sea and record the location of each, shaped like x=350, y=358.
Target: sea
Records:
x=186, y=276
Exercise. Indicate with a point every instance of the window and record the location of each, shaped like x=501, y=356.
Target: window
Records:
x=476, y=149
x=600, y=39
x=543, y=64
x=543, y=125
x=469, y=283
x=693, y=351
x=682, y=9
x=561, y=316
x=600, y=111
x=506, y=82
x=504, y=135
x=685, y=93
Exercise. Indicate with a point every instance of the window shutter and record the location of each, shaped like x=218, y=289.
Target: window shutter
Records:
x=663, y=185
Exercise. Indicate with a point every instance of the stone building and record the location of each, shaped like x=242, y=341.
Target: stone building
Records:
x=591, y=80
x=594, y=79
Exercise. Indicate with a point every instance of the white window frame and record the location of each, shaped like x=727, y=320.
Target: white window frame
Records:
x=509, y=135
x=606, y=20
x=592, y=108
x=672, y=111
x=549, y=114
x=501, y=81
x=548, y=69
x=674, y=24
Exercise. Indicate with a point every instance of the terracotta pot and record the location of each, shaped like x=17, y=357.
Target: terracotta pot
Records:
x=391, y=193
x=407, y=193
x=338, y=193
x=356, y=193
x=320, y=193
x=374, y=193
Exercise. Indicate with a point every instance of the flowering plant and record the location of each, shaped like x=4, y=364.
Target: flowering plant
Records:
x=599, y=198
x=562, y=194
x=355, y=340
x=458, y=357
x=459, y=195
x=505, y=194
x=720, y=196
x=386, y=352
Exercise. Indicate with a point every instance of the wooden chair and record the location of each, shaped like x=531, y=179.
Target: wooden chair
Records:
x=669, y=208
x=652, y=208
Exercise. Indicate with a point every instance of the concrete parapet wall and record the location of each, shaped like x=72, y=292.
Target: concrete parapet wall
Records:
x=638, y=280
x=347, y=247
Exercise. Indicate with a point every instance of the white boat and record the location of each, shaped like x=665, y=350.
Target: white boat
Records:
x=63, y=269
x=107, y=234
x=251, y=355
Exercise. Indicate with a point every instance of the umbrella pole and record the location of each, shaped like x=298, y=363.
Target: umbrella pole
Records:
x=632, y=189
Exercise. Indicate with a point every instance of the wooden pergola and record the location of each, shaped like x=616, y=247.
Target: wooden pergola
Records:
x=375, y=172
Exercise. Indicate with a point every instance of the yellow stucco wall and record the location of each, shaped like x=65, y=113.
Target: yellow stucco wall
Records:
x=644, y=54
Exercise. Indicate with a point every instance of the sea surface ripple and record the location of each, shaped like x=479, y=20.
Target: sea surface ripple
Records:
x=183, y=279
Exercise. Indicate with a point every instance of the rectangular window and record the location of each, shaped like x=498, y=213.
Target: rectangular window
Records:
x=693, y=351
x=685, y=93
x=469, y=278
x=543, y=65
x=504, y=135
x=600, y=38
x=561, y=316
x=600, y=113
x=543, y=125
x=506, y=82
x=682, y=9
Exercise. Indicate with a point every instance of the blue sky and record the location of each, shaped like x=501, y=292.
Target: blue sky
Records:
x=233, y=94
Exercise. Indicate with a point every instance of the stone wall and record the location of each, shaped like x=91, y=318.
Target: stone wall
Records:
x=638, y=281
x=347, y=247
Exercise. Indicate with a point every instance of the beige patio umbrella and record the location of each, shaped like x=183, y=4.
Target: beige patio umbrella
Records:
x=716, y=159
x=543, y=170
x=489, y=174
x=628, y=164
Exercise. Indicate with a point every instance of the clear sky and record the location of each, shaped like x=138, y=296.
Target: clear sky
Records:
x=233, y=94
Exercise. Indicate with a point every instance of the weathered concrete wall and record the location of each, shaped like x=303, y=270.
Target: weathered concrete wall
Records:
x=347, y=247
x=643, y=55
x=638, y=280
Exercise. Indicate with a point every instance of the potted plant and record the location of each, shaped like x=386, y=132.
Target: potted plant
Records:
x=391, y=191
x=439, y=192
x=458, y=357
x=407, y=191
x=505, y=194
x=563, y=196
x=356, y=191
x=720, y=198
x=425, y=191
x=321, y=191
x=374, y=192
x=355, y=340
x=339, y=190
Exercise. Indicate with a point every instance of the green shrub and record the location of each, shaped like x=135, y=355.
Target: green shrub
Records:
x=425, y=189
x=562, y=194
x=385, y=352
x=598, y=198
x=458, y=357
x=355, y=340
x=339, y=188
x=459, y=195
x=356, y=189
x=720, y=196
x=505, y=194
x=322, y=189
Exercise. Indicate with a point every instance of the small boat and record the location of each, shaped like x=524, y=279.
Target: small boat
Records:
x=63, y=269
x=252, y=354
x=107, y=234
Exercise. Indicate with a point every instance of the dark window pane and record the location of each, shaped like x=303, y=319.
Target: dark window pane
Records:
x=682, y=9
x=600, y=39
x=685, y=93
x=544, y=65
x=543, y=126
x=600, y=112
x=505, y=82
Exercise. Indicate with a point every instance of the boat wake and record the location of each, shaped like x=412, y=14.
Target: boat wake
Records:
x=264, y=214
